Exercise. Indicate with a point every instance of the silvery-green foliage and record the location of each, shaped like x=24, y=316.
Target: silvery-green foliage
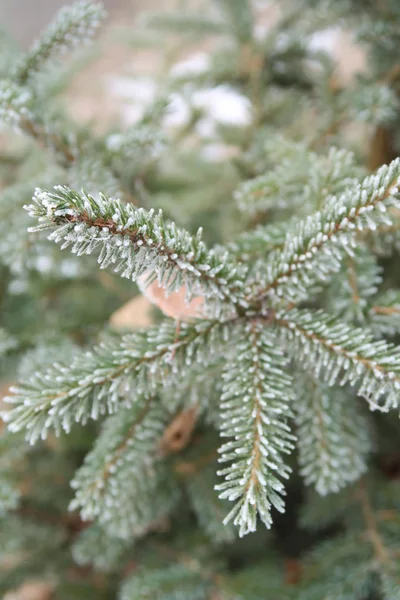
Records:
x=301, y=180
x=100, y=382
x=255, y=409
x=22, y=254
x=363, y=553
x=73, y=26
x=256, y=397
x=15, y=103
x=236, y=361
x=20, y=109
x=333, y=436
x=137, y=242
x=317, y=245
x=339, y=353
x=24, y=89
x=111, y=375
x=95, y=372
x=96, y=547
x=126, y=505
x=352, y=290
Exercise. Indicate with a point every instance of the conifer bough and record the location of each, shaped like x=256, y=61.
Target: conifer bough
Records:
x=256, y=401
x=291, y=326
x=137, y=241
x=74, y=25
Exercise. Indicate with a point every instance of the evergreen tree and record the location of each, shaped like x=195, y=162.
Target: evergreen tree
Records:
x=245, y=445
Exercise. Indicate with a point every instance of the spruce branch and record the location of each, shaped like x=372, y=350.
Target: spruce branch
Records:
x=315, y=248
x=64, y=147
x=302, y=180
x=353, y=288
x=337, y=352
x=137, y=241
x=254, y=412
x=121, y=481
x=73, y=26
x=332, y=437
x=17, y=111
x=112, y=374
x=367, y=546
